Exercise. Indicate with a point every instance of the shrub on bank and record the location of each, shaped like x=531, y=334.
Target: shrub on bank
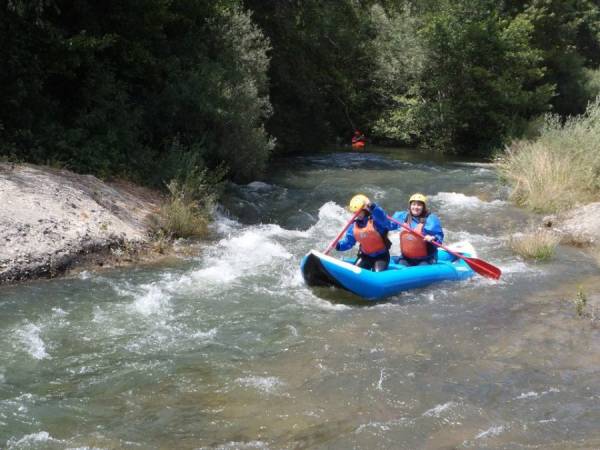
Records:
x=536, y=245
x=559, y=169
x=182, y=217
x=187, y=212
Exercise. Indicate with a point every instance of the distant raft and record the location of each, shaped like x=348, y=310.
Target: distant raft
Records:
x=358, y=145
x=319, y=269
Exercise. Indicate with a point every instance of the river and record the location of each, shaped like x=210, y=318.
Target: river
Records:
x=229, y=349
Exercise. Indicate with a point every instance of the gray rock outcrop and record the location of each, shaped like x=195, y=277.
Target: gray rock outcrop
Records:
x=51, y=219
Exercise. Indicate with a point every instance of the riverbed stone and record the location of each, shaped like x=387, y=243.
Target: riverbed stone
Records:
x=579, y=226
x=50, y=219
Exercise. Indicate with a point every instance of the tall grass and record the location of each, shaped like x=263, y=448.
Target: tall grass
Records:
x=561, y=168
x=182, y=217
x=537, y=245
x=188, y=210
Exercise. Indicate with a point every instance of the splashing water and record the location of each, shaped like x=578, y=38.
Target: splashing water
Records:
x=229, y=348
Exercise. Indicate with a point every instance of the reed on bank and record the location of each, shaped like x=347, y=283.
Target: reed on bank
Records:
x=187, y=211
x=561, y=168
x=538, y=245
x=182, y=217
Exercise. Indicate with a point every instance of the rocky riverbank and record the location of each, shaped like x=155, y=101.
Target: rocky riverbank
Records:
x=579, y=226
x=52, y=220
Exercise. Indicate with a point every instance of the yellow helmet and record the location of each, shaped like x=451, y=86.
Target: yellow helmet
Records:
x=358, y=202
x=418, y=197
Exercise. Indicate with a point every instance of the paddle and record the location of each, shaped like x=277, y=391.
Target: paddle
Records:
x=335, y=241
x=483, y=268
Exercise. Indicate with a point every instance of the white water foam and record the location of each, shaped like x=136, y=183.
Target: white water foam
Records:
x=476, y=239
x=379, y=386
x=222, y=224
x=244, y=254
x=527, y=395
x=84, y=275
x=533, y=394
x=205, y=335
x=491, y=432
x=59, y=312
x=385, y=426
x=292, y=278
x=99, y=315
x=331, y=217
x=31, y=439
x=458, y=200
x=153, y=301
x=437, y=410
x=517, y=267
x=29, y=336
x=293, y=330
x=268, y=385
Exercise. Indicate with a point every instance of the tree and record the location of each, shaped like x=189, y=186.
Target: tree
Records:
x=320, y=69
x=567, y=33
x=131, y=87
x=477, y=81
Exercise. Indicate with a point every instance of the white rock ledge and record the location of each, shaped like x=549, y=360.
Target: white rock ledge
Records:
x=51, y=219
x=580, y=226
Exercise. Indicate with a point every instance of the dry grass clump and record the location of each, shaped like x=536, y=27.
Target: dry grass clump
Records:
x=536, y=245
x=188, y=210
x=181, y=216
x=561, y=168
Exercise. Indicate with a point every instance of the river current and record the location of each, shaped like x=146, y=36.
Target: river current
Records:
x=229, y=349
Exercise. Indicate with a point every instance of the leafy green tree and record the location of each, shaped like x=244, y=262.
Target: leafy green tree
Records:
x=115, y=87
x=483, y=77
x=399, y=64
x=475, y=81
x=567, y=32
x=320, y=74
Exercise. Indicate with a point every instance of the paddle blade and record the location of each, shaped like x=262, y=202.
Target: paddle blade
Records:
x=483, y=268
x=480, y=266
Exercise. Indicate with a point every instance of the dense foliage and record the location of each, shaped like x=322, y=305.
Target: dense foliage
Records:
x=154, y=89
x=476, y=71
x=134, y=88
x=320, y=71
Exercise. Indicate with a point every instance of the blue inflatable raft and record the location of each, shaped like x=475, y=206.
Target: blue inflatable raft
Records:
x=319, y=269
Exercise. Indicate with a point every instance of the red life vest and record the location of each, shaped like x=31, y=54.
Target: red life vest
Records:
x=412, y=246
x=369, y=238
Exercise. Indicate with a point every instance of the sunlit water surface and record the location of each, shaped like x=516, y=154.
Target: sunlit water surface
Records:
x=229, y=349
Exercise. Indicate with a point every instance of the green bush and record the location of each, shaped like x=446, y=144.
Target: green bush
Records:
x=181, y=217
x=192, y=198
x=108, y=88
